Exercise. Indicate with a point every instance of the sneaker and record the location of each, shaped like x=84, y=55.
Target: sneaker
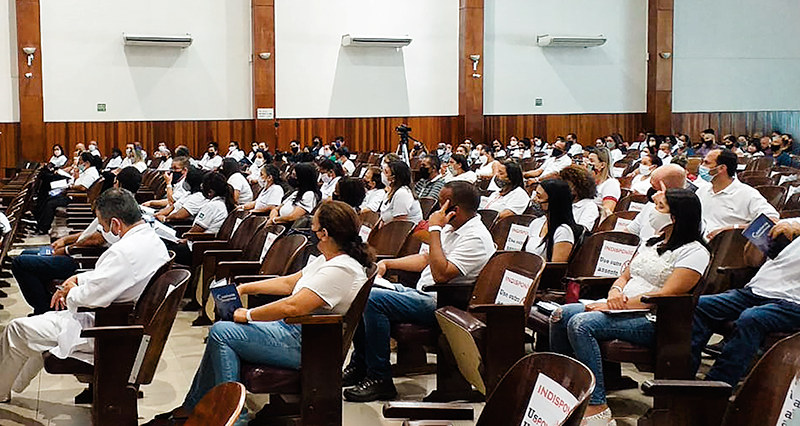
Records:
x=602, y=418
x=371, y=390
x=352, y=376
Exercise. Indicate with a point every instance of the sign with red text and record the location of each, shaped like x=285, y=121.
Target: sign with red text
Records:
x=517, y=235
x=549, y=405
x=790, y=414
x=622, y=224
x=513, y=289
x=364, y=233
x=613, y=259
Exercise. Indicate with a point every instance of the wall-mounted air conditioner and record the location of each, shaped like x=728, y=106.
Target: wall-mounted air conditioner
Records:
x=181, y=41
x=547, y=40
x=358, y=41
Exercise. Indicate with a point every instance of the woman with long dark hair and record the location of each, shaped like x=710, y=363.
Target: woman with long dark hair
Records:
x=242, y=193
x=401, y=203
x=376, y=190
x=511, y=198
x=669, y=264
x=58, y=160
x=303, y=200
x=553, y=235
x=271, y=194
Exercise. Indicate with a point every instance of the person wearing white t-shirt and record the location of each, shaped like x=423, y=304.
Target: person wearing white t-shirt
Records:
x=176, y=180
x=271, y=194
x=258, y=162
x=376, y=190
x=458, y=170
x=329, y=174
x=581, y=182
x=400, y=202
x=511, y=199
x=302, y=201
x=342, y=157
x=555, y=199
x=769, y=303
x=58, y=160
x=488, y=163
x=727, y=202
x=649, y=221
x=234, y=151
x=211, y=159
x=608, y=188
x=242, y=192
x=551, y=166
x=641, y=177
x=668, y=265
x=83, y=177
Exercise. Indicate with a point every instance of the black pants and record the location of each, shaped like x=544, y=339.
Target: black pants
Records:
x=48, y=212
x=34, y=273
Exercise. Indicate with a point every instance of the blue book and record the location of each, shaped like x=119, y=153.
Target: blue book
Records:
x=226, y=299
x=758, y=235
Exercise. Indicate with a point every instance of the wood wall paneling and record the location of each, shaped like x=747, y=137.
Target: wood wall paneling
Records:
x=263, y=21
x=9, y=142
x=737, y=122
x=470, y=81
x=31, y=102
x=588, y=127
x=659, y=70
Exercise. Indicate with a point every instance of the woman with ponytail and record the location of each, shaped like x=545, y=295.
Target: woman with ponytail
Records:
x=260, y=335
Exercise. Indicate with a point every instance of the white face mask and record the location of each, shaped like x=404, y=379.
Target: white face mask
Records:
x=92, y=148
x=483, y=159
x=662, y=154
x=644, y=170
x=259, y=162
x=643, y=154
x=108, y=236
x=326, y=178
x=262, y=181
x=659, y=220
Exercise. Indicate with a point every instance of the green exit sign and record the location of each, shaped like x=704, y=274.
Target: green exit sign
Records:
x=101, y=107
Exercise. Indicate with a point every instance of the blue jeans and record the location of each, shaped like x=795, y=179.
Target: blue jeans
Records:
x=575, y=332
x=754, y=317
x=371, y=341
x=33, y=274
x=274, y=343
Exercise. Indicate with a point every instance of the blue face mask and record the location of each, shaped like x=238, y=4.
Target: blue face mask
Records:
x=705, y=174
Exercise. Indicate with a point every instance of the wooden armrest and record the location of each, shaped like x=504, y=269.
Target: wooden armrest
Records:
x=87, y=251
x=264, y=214
x=667, y=301
x=128, y=306
x=686, y=388
x=226, y=254
x=447, y=287
x=113, y=314
x=315, y=319
x=457, y=295
x=483, y=308
x=113, y=331
x=428, y=410
x=242, y=279
x=427, y=423
x=199, y=236
x=592, y=281
x=380, y=257
x=229, y=268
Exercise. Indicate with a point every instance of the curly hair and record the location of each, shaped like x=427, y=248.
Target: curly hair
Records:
x=581, y=183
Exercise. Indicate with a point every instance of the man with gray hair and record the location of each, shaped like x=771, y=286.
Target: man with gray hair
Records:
x=121, y=274
x=649, y=221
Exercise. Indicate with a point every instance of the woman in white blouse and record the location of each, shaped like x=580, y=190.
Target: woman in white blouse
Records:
x=260, y=335
x=401, y=203
x=376, y=190
x=489, y=165
x=242, y=193
x=584, y=210
x=254, y=171
x=600, y=164
x=511, y=198
x=303, y=200
x=669, y=264
x=329, y=174
x=458, y=169
x=553, y=235
x=271, y=194
x=58, y=160
x=641, y=179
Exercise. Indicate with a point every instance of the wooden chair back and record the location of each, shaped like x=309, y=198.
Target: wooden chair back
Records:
x=254, y=247
x=625, y=181
x=488, y=217
x=760, y=399
x=793, y=202
x=428, y=204
x=775, y=195
x=727, y=250
x=750, y=173
x=588, y=254
x=616, y=222
x=249, y=226
x=693, y=165
x=389, y=238
x=221, y=406
x=226, y=230
x=756, y=181
x=502, y=227
x=508, y=403
x=490, y=279
x=353, y=315
x=95, y=190
x=369, y=218
x=632, y=202
x=301, y=260
x=151, y=296
x=761, y=163
x=281, y=254
x=483, y=183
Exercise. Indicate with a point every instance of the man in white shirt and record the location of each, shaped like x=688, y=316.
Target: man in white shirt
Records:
x=727, y=202
x=121, y=274
x=211, y=159
x=343, y=158
x=176, y=183
x=649, y=221
x=234, y=151
x=769, y=303
x=574, y=147
x=558, y=161
x=460, y=246
x=93, y=149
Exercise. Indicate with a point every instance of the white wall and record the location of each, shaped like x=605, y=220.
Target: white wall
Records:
x=607, y=79
x=316, y=77
x=86, y=63
x=736, y=55
x=9, y=88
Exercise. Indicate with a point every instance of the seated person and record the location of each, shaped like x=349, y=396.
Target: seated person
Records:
x=343, y=158
x=257, y=162
x=271, y=194
x=33, y=272
x=303, y=200
x=430, y=180
x=608, y=188
x=58, y=160
x=351, y=191
x=460, y=246
x=458, y=169
x=260, y=335
x=553, y=235
x=329, y=173
x=650, y=221
x=727, y=202
x=769, y=303
x=488, y=164
x=400, y=203
x=584, y=190
x=512, y=198
x=671, y=263
x=376, y=190
x=187, y=207
x=242, y=193
x=121, y=274
x=211, y=159
x=83, y=177
x=552, y=165
x=115, y=160
x=176, y=183
x=641, y=176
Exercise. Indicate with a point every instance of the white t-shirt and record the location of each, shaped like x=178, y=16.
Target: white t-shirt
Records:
x=348, y=167
x=114, y=163
x=307, y=203
x=373, y=200
x=575, y=149
x=239, y=183
x=486, y=170
x=585, y=212
x=534, y=245
x=236, y=154
x=327, y=189
x=649, y=271
x=5, y=225
x=401, y=204
x=616, y=155
x=208, y=163
x=469, y=248
x=554, y=165
x=608, y=190
x=87, y=177
x=641, y=184
x=89, y=231
x=165, y=165
x=59, y=161
x=254, y=172
x=738, y=204
x=640, y=225
x=179, y=190
x=271, y=196
x=141, y=166
x=517, y=201
x=193, y=203
x=468, y=176
x=779, y=278
x=212, y=215
x=336, y=281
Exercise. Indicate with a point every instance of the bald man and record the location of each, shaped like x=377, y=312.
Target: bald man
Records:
x=649, y=222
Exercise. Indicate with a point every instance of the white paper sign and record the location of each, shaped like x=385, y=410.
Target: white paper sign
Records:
x=550, y=403
x=424, y=248
x=364, y=233
x=622, y=224
x=513, y=289
x=363, y=172
x=265, y=113
x=636, y=207
x=613, y=259
x=517, y=235
x=267, y=244
x=790, y=413
x=236, y=225
x=617, y=171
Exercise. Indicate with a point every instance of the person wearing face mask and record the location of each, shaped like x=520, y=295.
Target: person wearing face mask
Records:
x=489, y=165
x=294, y=150
x=302, y=201
x=708, y=142
x=641, y=177
x=401, y=202
x=234, y=151
x=460, y=246
x=514, y=150
x=175, y=179
x=129, y=156
x=343, y=157
x=608, y=188
x=33, y=272
x=271, y=193
x=511, y=198
x=782, y=152
x=650, y=221
x=727, y=202
x=458, y=170
x=251, y=156
x=552, y=165
x=730, y=142
x=242, y=193
x=430, y=180
x=329, y=174
x=93, y=149
x=584, y=190
x=120, y=276
x=83, y=177
x=188, y=206
x=670, y=264
x=376, y=190
x=115, y=161
x=58, y=160
x=254, y=171
x=211, y=159
x=665, y=153
x=553, y=235
x=574, y=148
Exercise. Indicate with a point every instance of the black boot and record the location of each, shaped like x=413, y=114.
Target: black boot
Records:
x=371, y=390
x=352, y=375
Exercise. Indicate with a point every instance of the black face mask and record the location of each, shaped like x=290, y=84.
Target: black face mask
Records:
x=313, y=239
x=557, y=152
x=424, y=173
x=212, y=154
x=177, y=176
x=295, y=149
x=291, y=180
x=776, y=148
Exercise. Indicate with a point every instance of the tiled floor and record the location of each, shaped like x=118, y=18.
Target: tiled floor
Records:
x=48, y=400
